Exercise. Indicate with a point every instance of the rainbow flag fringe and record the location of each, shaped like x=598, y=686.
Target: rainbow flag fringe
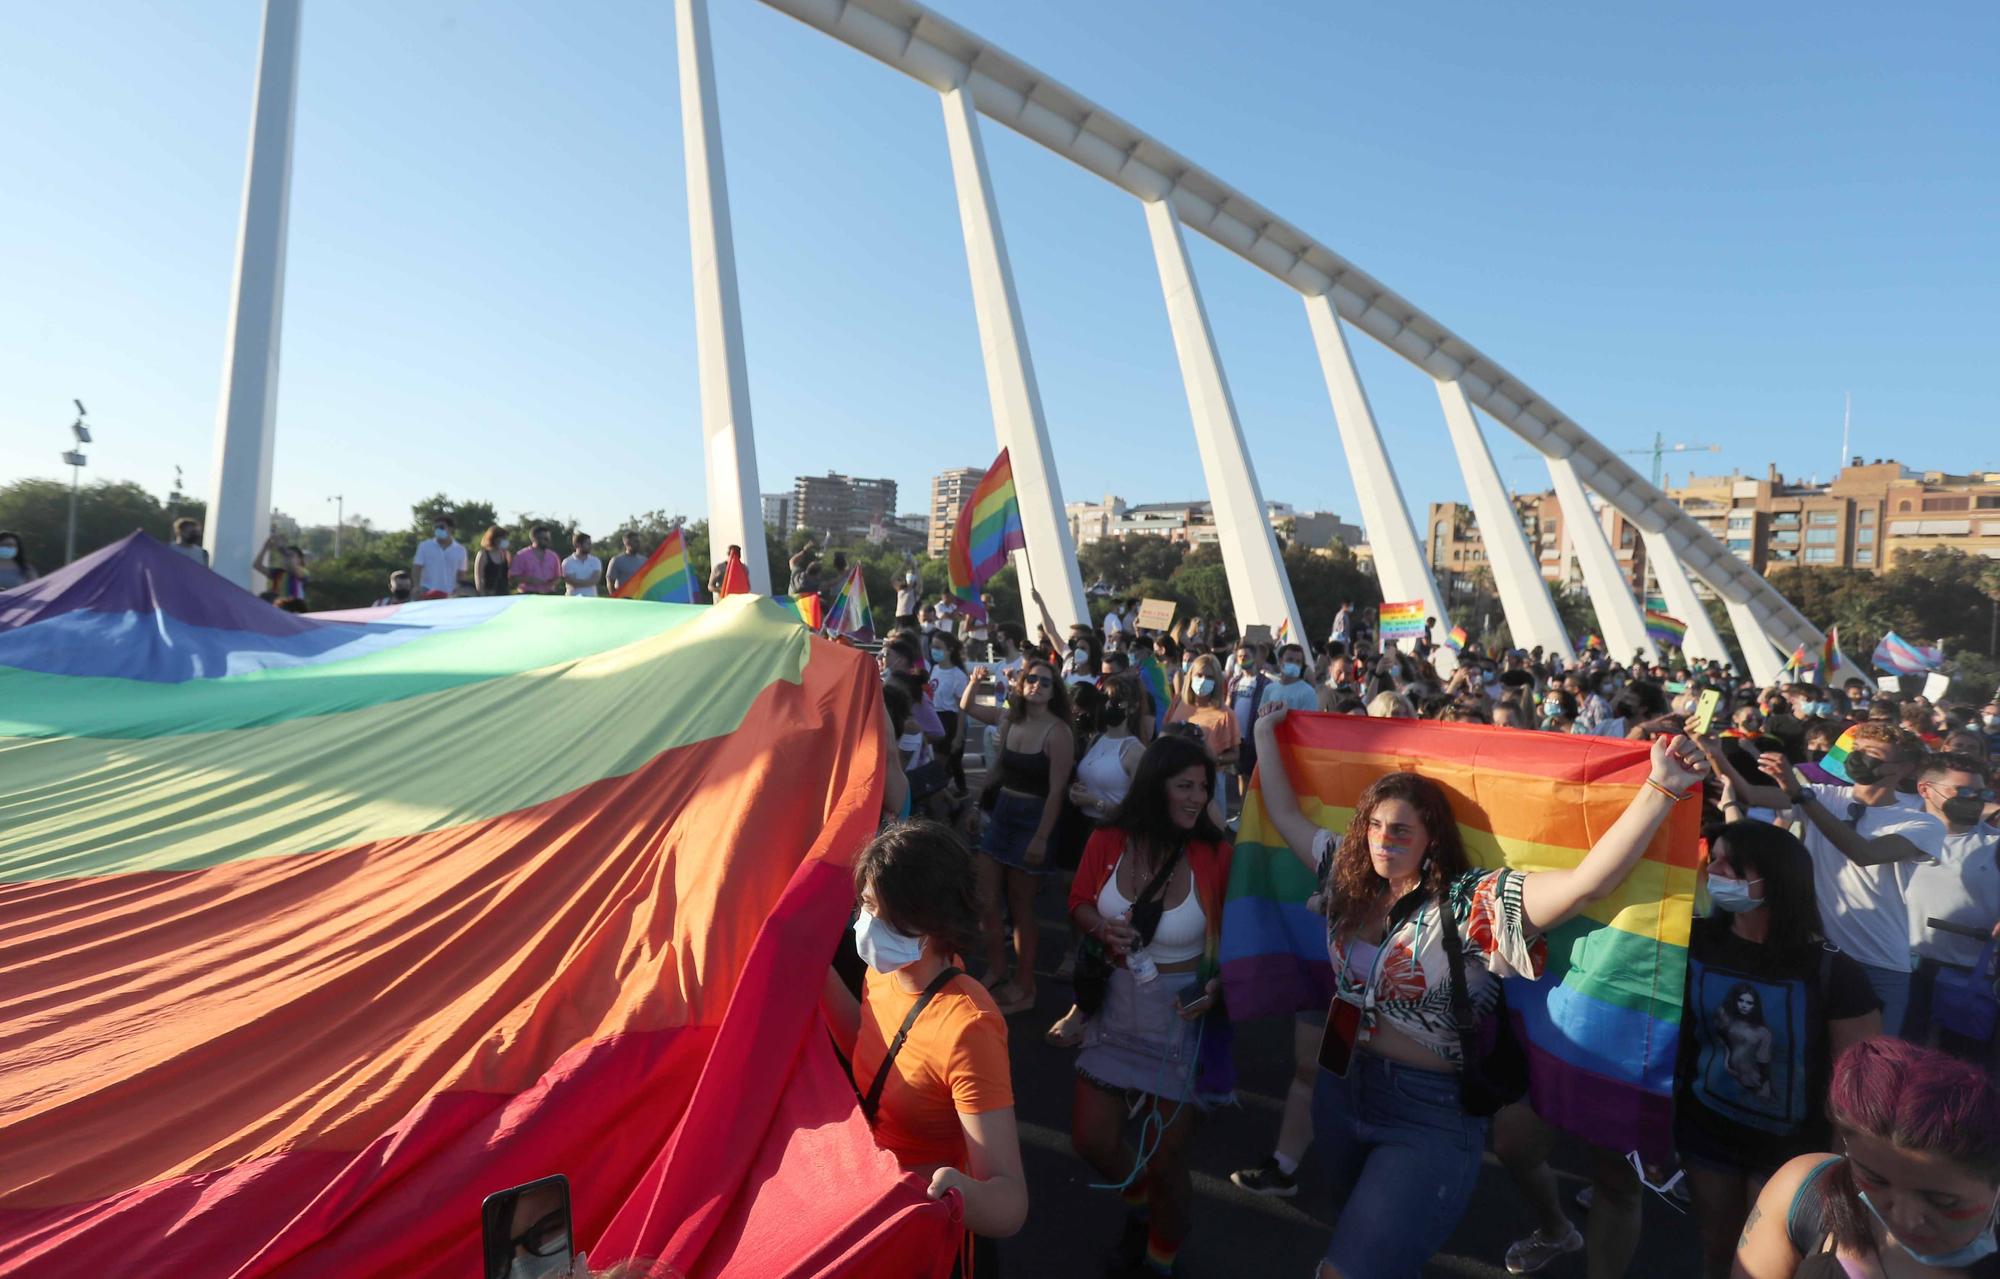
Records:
x=1602, y=1025
x=664, y=578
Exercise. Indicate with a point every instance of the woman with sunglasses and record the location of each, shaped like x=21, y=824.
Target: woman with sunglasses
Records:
x=1400, y=1149
x=1036, y=754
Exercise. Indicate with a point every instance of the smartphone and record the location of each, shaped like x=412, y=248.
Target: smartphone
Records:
x=1194, y=998
x=1704, y=712
x=1343, y=1032
x=530, y=1224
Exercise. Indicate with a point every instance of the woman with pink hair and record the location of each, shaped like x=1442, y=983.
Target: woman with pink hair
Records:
x=1913, y=1191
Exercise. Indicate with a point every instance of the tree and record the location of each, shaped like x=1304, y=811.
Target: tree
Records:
x=38, y=510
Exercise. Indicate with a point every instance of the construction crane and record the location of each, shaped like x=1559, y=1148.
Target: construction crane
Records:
x=1658, y=452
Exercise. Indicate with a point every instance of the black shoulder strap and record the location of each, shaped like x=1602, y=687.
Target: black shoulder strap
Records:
x=1158, y=883
x=1461, y=1002
x=873, y=1101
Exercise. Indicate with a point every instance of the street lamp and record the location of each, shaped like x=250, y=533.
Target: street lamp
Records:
x=75, y=460
x=339, y=518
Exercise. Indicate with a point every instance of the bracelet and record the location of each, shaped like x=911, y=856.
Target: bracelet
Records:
x=1675, y=797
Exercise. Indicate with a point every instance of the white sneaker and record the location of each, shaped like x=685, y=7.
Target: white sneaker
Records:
x=1526, y=1256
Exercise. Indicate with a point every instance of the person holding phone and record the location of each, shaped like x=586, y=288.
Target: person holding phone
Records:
x=1388, y=1117
x=927, y=1043
x=1150, y=890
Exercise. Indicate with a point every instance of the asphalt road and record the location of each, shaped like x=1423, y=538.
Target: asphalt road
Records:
x=1070, y=1227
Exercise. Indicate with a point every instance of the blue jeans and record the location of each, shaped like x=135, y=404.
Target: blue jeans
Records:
x=1403, y=1157
x=1892, y=987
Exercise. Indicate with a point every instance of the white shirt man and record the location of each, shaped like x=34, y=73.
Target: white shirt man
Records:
x=439, y=561
x=1963, y=885
x=1114, y=621
x=580, y=569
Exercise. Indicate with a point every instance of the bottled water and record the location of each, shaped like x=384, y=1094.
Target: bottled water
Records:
x=1141, y=966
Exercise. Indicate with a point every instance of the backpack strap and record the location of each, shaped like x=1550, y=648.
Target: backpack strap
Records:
x=1805, y=1220
x=873, y=1101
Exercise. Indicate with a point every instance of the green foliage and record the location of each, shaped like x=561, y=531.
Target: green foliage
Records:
x=107, y=510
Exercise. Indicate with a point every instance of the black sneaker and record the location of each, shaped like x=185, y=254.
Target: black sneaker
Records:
x=1266, y=1179
x=1130, y=1251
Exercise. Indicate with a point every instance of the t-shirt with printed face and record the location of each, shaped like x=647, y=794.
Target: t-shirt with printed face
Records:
x=953, y=1063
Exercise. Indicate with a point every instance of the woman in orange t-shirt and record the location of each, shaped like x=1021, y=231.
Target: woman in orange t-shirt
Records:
x=1205, y=704
x=947, y=1103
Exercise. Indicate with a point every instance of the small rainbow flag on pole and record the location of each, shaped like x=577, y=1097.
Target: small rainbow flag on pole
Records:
x=1457, y=640
x=1402, y=621
x=1665, y=630
x=1830, y=656
x=1283, y=635
x=664, y=578
x=850, y=614
x=989, y=527
x=1796, y=663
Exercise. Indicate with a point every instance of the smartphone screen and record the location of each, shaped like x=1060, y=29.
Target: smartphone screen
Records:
x=525, y=1230
x=1704, y=712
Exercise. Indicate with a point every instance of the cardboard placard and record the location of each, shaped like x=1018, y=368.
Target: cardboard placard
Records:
x=1155, y=615
x=1935, y=685
x=1257, y=634
x=1888, y=684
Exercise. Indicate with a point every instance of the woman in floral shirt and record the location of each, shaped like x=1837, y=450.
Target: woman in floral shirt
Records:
x=1402, y=1152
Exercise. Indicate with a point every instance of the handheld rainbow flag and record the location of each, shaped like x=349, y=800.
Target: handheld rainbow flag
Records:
x=1830, y=656
x=1602, y=1025
x=1835, y=760
x=849, y=613
x=664, y=578
x=1154, y=677
x=1283, y=635
x=1402, y=621
x=735, y=576
x=1665, y=630
x=807, y=608
x=1797, y=661
x=1593, y=640
x=989, y=526
x=1457, y=640
x=1900, y=657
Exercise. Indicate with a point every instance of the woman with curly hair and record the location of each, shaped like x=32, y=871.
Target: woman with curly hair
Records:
x=1400, y=1148
x=940, y=1095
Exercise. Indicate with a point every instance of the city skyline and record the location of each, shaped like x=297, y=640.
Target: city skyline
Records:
x=453, y=326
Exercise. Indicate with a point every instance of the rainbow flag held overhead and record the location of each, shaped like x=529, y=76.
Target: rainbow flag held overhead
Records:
x=849, y=614
x=1796, y=663
x=1402, y=621
x=1457, y=639
x=1592, y=640
x=1601, y=1027
x=1830, y=656
x=1665, y=630
x=1900, y=657
x=1154, y=677
x=288, y=994
x=664, y=578
x=989, y=527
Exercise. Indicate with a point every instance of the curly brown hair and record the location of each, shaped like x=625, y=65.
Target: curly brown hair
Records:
x=1354, y=887
x=1017, y=693
x=924, y=883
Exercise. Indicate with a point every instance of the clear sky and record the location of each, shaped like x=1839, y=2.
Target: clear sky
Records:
x=1708, y=222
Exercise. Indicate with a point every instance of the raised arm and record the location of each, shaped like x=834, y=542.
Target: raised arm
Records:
x=1281, y=802
x=969, y=703
x=1048, y=623
x=1853, y=845
x=1549, y=897
x=1753, y=794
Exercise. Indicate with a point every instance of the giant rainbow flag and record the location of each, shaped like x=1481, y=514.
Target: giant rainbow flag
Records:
x=317, y=929
x=665, y=577
x=989, y=526
x=1602, y=1025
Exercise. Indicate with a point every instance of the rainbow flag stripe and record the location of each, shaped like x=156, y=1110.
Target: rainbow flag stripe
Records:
x=1402, y=621
x=664, y=578
x=1602, y=1026
x=1154, y=677
x=1830, y=657
x=1835, y=760
x=989, y=527
x=292, y=983
x=1664, y=629
x=849, y=614
x=1458, y=639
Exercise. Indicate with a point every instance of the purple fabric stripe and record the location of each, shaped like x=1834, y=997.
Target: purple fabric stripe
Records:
x=1603, y=1111
x=1275, y=986
x=139, y=575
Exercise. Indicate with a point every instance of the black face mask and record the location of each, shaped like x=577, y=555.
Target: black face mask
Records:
x=1963, y=810
x=1863, y=769
x=1112, y=715
x=399, y=592
x=1816, y=755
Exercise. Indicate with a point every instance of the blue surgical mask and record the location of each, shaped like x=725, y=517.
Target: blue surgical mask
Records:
x=1732, y=896
x=8, y=552
x=1291, y=670
x=1202, y=685
x=1980, y=1248
x=882, y=947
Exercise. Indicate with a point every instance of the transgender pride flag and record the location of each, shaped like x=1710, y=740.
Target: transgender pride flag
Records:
x=1900, y=657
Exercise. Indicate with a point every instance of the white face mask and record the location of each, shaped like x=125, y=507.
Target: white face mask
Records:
x=882, y=947
x=1202, y=685
x=500, y=542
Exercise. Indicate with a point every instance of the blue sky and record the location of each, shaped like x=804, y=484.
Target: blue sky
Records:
x=1703, y=222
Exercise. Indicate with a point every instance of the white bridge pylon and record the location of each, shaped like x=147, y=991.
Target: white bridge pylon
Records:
x=979, y=79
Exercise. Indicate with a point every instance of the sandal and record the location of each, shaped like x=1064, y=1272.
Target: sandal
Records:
x=1067, y=1032
x=1012, y=999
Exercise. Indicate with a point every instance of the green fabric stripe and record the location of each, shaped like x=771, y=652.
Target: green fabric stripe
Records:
x=533, y=633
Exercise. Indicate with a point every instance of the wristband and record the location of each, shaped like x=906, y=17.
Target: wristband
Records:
x=1676, y=797
x=1803, y=797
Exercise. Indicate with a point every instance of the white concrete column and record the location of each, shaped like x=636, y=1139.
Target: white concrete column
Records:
x=239, y=490
x=1765, y=661
x=1258, y=587
x=1517, y=573
x=1703, y=641
x=1400, y=563
x=1618, y=613
x=728, y=444
x=1050, y=560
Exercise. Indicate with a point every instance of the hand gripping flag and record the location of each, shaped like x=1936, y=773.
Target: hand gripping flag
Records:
x=989, y=527
x=664, y=578
x=1601, y=1027
x=287, y=993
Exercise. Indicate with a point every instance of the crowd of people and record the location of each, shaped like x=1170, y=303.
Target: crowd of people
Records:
x=1834, y=1107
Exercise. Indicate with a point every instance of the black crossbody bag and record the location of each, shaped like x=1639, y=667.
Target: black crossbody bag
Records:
x=1499, y=1076
x=1091, y=979
x=872, y=1102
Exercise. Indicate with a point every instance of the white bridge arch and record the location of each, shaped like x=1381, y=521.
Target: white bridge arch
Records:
x=974, y=79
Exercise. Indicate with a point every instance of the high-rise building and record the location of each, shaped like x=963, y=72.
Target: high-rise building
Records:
x=778, y=511
x=841, y=506
x=949, y=491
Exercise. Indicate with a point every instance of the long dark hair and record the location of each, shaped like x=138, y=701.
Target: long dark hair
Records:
x=1144, y=817
x=1017, y=694
x=1759, y=850
x=1354, y=883
x=20, y=553
x=924, y=883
